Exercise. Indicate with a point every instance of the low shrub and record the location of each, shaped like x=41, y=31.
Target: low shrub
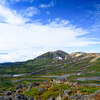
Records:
x=88, y=89
x=32, y=93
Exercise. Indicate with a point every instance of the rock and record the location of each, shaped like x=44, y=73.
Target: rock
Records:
x=78, y=97
x=20, y=86
x=33, y=85
x=2, y=98
x=67, y=92
x=97, y=92
x=9, y=98
x=41, y=89
x=2, y=90
x=51, y=98
x=6, y=98
x=9, y=93
x=59, y=97
x=22, y=97
x=58, y=80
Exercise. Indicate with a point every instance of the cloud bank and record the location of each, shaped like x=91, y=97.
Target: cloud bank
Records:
x=22, y=41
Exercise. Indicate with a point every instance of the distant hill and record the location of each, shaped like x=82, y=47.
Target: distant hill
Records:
x=56, y=62
x=76, y=66
x=49, y=57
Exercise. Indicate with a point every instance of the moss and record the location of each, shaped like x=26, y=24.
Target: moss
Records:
x=47, y=94
x=88, y=89
x=1, y=94
x=32, y=93
x=61, y=87
x=51, y=93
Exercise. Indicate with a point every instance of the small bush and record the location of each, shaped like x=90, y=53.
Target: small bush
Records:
x=61, y=87
x=32, y=93
x=47, y=94
x=88, y=89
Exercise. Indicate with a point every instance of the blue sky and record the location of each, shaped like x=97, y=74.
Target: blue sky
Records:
x=32, y=27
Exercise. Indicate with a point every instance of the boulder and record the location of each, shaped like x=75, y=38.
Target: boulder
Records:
x=22, y=97
x=2, y=98
x=41, y=89
x=59, y=97
x=6, y=98
x=78, y=97
x=33, y=85
x=67, y=92
x=9, y=93
x=2, y=90
x=20, y=86
x=51, y=98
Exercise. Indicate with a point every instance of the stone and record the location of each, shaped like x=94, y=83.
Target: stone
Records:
x=41, y=89
x=59, y=97
x=22, y=97
x=20, y=86
x=78, y=97
x=67, y=92
x=2, y=90
x=33, y=85
x=9, y=93
x=51, y=98
x=6, y=98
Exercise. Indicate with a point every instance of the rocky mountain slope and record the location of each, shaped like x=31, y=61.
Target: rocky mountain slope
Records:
x=57, y=62
x=80, y=67
x=49, y=57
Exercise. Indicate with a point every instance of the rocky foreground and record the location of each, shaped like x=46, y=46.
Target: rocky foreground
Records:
x=56, y=89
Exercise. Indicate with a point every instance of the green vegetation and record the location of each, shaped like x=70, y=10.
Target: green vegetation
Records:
x=47, y=64
x=88, y=89
x=52, y=92
x=6, y=83
x=32, y=93
x=61, y=87
x=47, y=94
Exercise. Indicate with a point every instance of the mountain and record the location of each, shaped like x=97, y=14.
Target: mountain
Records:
x=57, y=62
x=49, y=57
x=78, y=66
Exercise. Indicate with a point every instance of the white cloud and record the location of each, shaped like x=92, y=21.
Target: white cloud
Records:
x=9, y=16
x=48, y=12
x=12, y=17
x=51, y=4
x=30, y=11
x=21, y=40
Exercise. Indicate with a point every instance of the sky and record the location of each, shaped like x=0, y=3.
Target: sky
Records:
x=29, y=28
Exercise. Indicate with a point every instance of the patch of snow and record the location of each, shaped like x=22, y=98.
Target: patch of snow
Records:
x=18, y=75
x=59, y=58
x=78, y=73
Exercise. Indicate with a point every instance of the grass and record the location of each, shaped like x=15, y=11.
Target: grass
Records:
x=32, y=93
x=88, y=89
x=50, y=92
x=89, y=81
x=61, y=87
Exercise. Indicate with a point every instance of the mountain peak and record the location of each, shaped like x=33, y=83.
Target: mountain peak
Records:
x=61, y=52
x=51, y=57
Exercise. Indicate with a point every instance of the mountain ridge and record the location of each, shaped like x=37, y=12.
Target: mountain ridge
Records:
x=58, y=55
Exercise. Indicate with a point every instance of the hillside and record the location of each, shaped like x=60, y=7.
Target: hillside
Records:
x=57, y=62
x=80, y=67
